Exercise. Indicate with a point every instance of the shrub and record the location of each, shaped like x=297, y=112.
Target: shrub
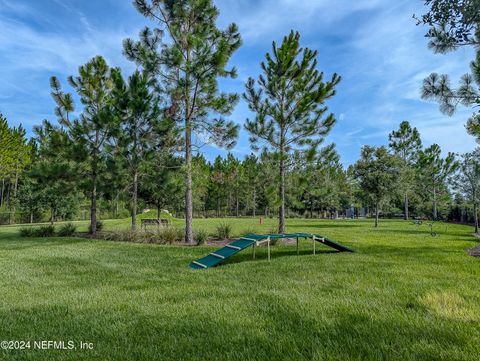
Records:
x=99, y=227
x=27, y=231
x=170, y=234
x=248, y=231
x=201, y=236
x=44, y=231
x=66, y=230
x=224, y=230
x=126, y=235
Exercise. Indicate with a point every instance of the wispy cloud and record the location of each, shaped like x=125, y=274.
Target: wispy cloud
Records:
x=374, y=44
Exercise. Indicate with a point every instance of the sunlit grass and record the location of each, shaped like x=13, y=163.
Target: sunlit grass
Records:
x=403, y=295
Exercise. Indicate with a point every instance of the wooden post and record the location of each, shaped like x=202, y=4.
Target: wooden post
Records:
x=297, y=247
x=254, y=250
x=269, y=248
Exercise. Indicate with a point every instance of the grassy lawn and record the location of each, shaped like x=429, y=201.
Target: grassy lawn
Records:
x=404, y=295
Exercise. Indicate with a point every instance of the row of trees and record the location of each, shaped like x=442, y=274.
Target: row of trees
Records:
x=403, y=175
x=135, y=142
x=15, y=157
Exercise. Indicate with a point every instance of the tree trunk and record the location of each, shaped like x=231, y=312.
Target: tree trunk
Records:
x=134, y=200
x=281, y=209
x=31, y=217
x=405, y=215
x=376, y=215
x=3, y=192
x=52, y=216
x=14, y=208
x=254, y=201
x=475, y=215
x=158, y=210
x=188, y=185
x=93, y=207
x=237, y=206
x=116, y=204
x=434, y=203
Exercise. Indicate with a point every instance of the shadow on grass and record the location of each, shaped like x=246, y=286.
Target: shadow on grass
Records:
x=321, y=225
x=275, y=254
x=269, y=327
x=16, y=243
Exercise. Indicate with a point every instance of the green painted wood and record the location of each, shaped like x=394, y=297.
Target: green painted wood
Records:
x=224, y=253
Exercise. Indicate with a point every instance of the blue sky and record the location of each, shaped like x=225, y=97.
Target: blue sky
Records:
x=373, y=44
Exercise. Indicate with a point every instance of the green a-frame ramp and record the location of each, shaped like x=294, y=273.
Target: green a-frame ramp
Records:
x=252, y=240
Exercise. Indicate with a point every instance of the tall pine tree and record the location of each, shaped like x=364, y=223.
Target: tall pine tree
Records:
x=406, y=144
x=91, y=130
x=187, y=68
x=289, y=102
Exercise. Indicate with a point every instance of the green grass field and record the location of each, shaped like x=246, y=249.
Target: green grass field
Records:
x=404, y=295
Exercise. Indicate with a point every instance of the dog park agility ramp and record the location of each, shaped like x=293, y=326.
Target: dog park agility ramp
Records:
x=252, y=240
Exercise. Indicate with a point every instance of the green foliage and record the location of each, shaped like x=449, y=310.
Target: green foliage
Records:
x=42, y=231
x=452, y=24
x=66, y=230
x=224, y=230
x=170, y=234
x=467, y=181
x=98, y=227
x=160, y=235
x=288, y=102
x=377, y=175
x=142, y=130
x=201, y=236
x=90, y=131
x=193, y=59
x=406, y=144
x=26, y=231
x=434, y=171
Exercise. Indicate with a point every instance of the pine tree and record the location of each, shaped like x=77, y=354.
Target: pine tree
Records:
x=187, y=68
x=434, y=171
x=454, y=25
x=406, y=144
x=468, y=180
x=251, y=171
x=91, y=130
x=140, y=132
x=377, y=174
x=54, y=177
x=288, y=99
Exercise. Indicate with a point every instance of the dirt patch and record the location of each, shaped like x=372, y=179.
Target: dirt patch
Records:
x=474, y=252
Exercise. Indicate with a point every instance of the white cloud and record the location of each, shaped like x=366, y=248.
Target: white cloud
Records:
x=260, y=20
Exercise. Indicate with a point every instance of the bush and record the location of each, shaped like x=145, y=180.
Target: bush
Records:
x=201, y=236
x=170, y=234
x=27, y=231
x=44, y=231
x=224, y=230
x=99, y=227
x=66, y=230
x=164, y=235
x=248, y=231
x=126, y=235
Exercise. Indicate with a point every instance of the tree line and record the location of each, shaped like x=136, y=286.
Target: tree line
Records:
x=125, y=143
